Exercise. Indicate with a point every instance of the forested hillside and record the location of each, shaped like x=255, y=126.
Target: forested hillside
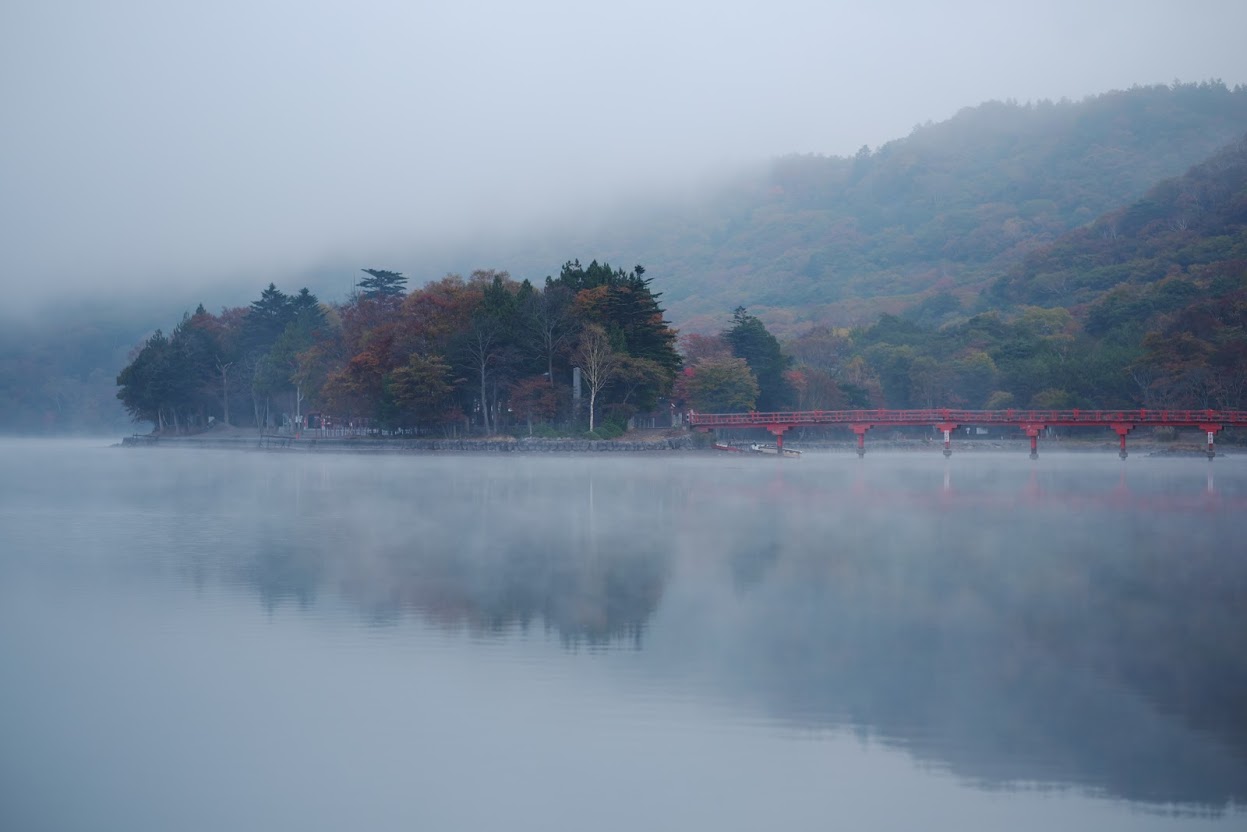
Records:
x=948, y=208
x=1145, y=306
x=62, y=377
x=1190, y=225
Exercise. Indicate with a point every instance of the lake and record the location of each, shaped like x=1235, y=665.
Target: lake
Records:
x=211, y=640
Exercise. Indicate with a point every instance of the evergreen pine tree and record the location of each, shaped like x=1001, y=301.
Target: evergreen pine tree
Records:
x=382, y=285
x=751, y=341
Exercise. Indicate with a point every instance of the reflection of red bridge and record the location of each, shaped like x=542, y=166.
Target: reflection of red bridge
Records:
x=978, y=496
x=1031, y=421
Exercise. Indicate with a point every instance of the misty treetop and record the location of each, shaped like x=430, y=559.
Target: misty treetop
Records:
x=486, y=354
x=381, y=284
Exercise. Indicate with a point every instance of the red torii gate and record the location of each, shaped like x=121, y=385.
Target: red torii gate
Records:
x=1031, y=421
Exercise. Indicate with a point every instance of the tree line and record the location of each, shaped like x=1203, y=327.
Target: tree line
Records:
x=483, y=354
x=1189, y=354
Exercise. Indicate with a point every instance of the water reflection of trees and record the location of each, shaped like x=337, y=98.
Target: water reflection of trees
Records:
x=1030, y=647
x=480, y=551
x=1021, y=644
x=587, y=594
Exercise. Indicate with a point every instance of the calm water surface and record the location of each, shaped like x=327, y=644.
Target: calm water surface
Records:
x=247, y=641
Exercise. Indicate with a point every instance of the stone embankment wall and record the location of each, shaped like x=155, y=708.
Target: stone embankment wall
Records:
x=529, y=445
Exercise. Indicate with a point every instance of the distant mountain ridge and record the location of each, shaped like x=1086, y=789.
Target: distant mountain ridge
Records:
x=948, y=208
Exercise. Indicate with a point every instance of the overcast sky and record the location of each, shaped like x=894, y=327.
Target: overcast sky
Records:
x=148, y=142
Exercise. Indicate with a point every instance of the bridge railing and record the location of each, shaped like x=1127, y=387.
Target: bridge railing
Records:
x=1176, y=418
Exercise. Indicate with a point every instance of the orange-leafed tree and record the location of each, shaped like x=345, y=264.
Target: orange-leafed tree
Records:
x=357, y=388
x=433, y=315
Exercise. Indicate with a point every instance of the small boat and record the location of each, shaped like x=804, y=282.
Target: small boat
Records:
x=773, y=449
x=719, y=446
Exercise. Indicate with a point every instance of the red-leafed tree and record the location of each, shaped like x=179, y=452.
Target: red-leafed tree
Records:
x=534, y=399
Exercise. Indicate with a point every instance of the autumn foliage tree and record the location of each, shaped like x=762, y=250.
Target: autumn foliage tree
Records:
x=422, y=388
x=487, y=350
x=534, y=398
x=718, y=385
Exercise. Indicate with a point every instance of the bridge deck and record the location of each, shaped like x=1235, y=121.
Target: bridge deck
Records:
x=1018, y=418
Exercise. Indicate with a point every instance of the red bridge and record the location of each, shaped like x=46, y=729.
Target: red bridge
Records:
x=1031, y=421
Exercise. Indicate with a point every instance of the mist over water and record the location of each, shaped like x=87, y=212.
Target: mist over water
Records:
x=209, y=640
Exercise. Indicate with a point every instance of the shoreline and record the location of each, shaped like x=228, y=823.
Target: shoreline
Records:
x=365, y=445
x=684, y=443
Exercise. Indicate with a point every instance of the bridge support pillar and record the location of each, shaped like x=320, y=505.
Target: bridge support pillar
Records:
x=778, y=432
x=948, y=428
x=1212, y=431
x=860, y=430
x=1121, y=429
x=1032, y=431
